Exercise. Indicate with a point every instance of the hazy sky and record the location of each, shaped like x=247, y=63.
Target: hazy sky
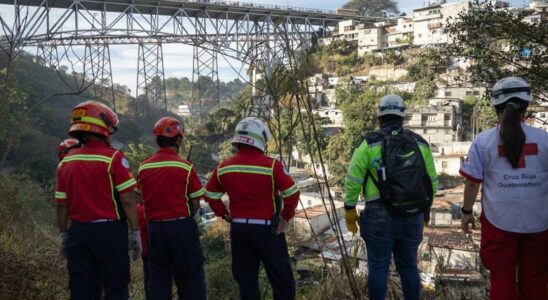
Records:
x=178, y=58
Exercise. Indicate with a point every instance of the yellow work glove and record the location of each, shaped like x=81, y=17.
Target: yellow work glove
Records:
x=351, y=217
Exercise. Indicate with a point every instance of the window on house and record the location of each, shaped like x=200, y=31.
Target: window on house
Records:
x=310, y=202
x=476, y=93
x=543, y=115
x=444, y=165
x=468, y=93
x=420, y=34
x=327, y=113
x=447, y=94
x=425, y=131
x=434, y=31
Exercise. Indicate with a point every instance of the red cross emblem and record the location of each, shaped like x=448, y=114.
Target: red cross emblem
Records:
x=528, y=149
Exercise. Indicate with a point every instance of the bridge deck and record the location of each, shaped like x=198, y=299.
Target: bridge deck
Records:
x=215, y=9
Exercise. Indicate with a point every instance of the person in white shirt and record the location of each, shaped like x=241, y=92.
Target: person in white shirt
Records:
x=511, y=161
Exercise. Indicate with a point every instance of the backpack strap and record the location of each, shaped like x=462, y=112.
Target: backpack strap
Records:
x=372, y=138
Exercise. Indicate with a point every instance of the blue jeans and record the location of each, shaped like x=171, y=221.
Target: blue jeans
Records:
x=385, y=234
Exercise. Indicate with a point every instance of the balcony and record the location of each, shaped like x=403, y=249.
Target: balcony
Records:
x=434, y=25
x=427, y=17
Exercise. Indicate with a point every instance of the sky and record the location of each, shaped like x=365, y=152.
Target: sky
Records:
x=178, y=57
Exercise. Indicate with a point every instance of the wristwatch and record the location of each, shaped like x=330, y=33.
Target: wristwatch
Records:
x=466, y=212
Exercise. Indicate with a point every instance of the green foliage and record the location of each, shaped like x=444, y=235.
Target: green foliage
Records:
x=351, y=60
x=27, y=237
x=392, y=57
x=12, y=110
x=359, y=112
x=495, y=40
x=180, y=90
x=342, y=47
x=373, y=7
x=486, y=116
x=425, y=72
x=39, y=163
x=226, y=150
x=219, y=281
x=136, y=154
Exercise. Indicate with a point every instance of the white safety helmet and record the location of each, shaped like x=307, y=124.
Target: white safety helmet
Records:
x=511, y=87
x=391, y=104
x=253, y=132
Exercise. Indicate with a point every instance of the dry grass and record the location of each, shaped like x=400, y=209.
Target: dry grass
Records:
x=30, y=264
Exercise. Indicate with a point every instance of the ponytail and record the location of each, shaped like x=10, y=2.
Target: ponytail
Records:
x=511, y=134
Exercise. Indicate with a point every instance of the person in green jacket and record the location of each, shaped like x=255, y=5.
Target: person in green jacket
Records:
x=384, y=231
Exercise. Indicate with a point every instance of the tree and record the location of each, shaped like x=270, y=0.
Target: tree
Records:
x=373, y=7
x=359, y=111
x=500, y=43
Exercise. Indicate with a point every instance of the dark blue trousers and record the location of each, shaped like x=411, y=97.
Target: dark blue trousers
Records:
x=253, y=244
x=175, y=253
x=145, y=273
x=98, y=260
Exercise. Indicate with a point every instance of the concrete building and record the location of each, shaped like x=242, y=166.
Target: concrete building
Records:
x=429, y=21
x=370, y=39
x=540, y=12
x=334, y=115
x=184, y=111
x=449, y=157
x=400, y=34
x=437, y=124
x=460, y=92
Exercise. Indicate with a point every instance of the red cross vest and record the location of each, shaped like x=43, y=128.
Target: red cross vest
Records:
x=514, y=200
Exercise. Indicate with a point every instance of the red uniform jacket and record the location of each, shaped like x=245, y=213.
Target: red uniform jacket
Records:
x=89, y=181
x=167, y=184
x=251, y=180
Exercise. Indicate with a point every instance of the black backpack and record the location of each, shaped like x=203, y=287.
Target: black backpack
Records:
x=403, y=181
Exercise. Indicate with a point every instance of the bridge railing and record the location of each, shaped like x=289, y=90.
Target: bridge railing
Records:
x=267, y=6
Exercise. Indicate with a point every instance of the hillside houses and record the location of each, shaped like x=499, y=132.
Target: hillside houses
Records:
x=423, y=29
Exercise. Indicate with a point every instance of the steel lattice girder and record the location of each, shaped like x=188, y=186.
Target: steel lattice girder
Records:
x=49, y=56
x=150, y=77
x=97, y=57
x=229, y=29
x=205, y=65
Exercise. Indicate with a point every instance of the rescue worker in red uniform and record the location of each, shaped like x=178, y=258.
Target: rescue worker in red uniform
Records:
x=94, y=190
x=67, y=146
x=256, y=185
x=171, y=191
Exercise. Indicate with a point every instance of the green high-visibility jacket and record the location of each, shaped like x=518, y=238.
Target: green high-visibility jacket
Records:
x=368, y=156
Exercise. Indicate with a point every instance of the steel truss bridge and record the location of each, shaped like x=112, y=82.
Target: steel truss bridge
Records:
x=254, y=35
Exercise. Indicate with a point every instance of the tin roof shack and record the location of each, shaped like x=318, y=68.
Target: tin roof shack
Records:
x=452, y=258
x=449, y=255
x=318, y=219
x=445, y=213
